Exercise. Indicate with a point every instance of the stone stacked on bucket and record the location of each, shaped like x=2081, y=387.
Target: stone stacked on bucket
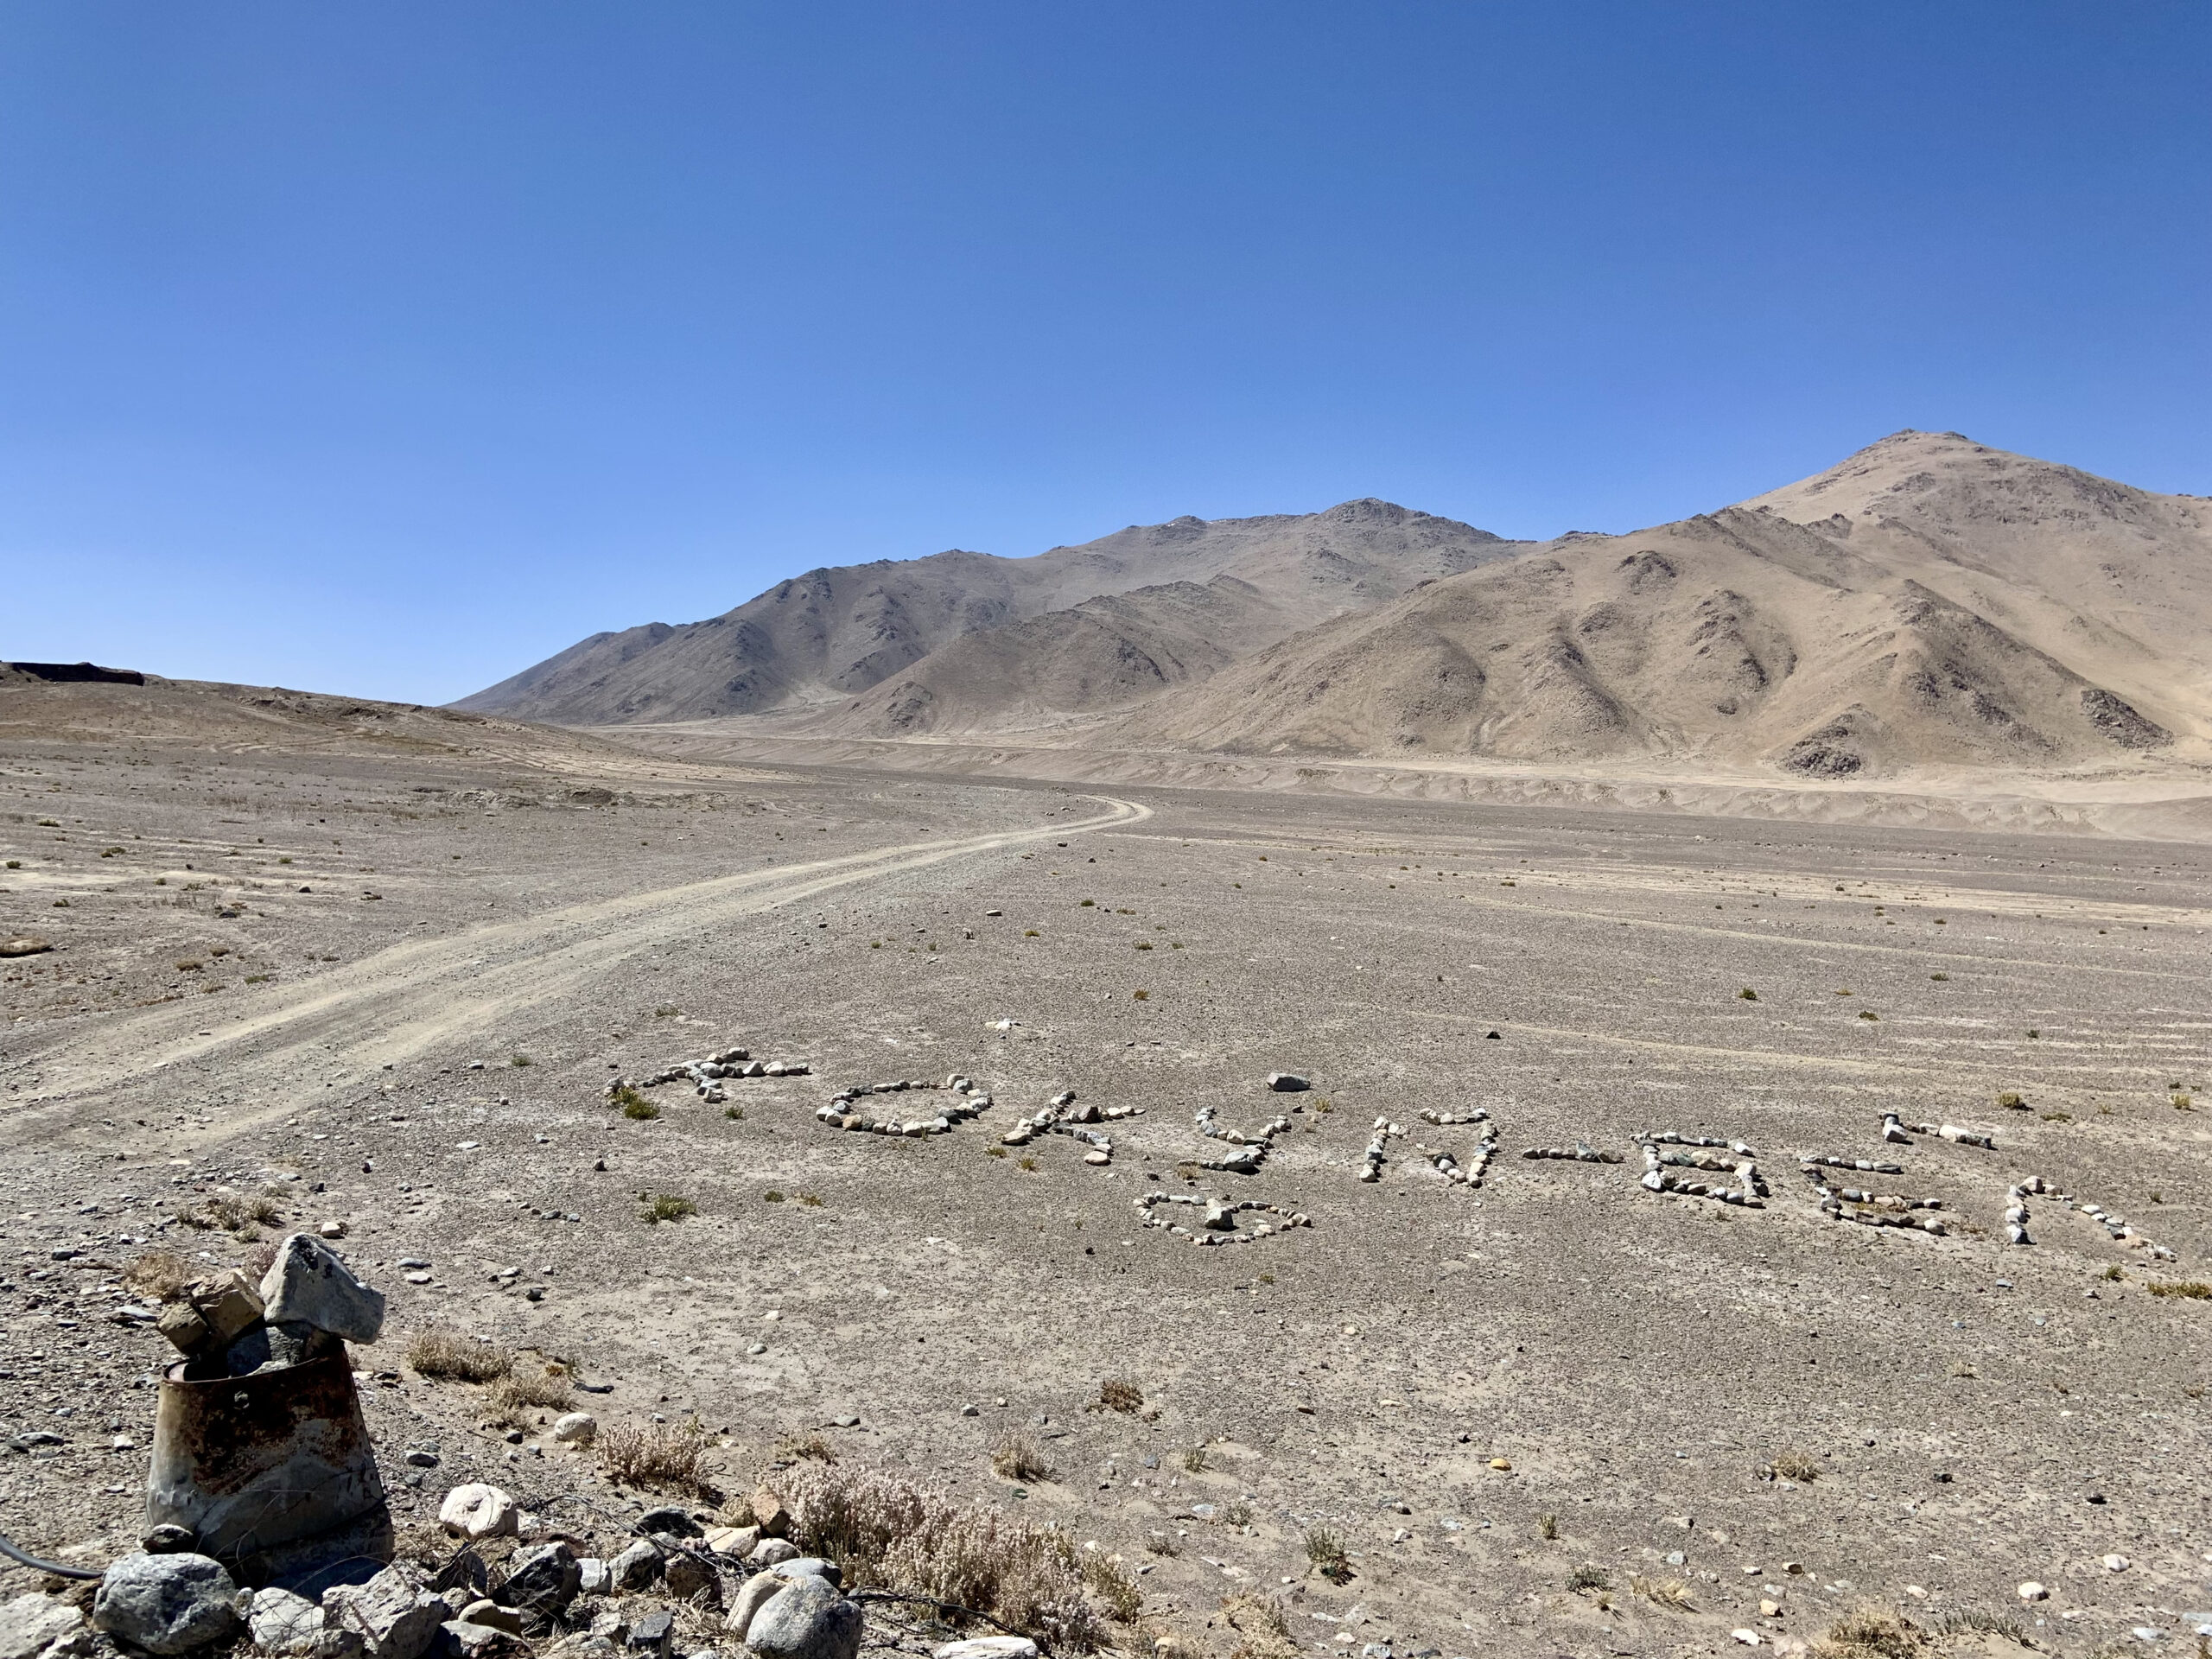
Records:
x=307, y=1306
x=260, y=1456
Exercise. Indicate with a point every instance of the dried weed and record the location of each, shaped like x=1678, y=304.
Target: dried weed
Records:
x=1016, y=1457
x=448, y=1356
x=665, y=1456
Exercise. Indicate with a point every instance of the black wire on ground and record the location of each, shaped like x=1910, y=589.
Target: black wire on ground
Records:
x=9, y=1549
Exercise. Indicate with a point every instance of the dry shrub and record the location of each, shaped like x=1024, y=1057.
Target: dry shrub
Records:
x=1800, y=1467
x=448, y=1356
x=2195, y=1290
x=881, y=1530
x=1670, y=1594
x=1871, y=1633
x=1016, y=1457
x=158, y=1276
x=519, y=1394
x=797, y=1448
x=1120, y=1394
x=1325, y=1551
x=221, y=1213
x=1260, y=1621
x=665, y=1456
x=1114, y=1585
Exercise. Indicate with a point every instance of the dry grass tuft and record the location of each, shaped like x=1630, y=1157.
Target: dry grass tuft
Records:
x=1871, y=1633
x=1114, y=1585
x=2195, y=1290
x=1325, y=1551
x=1016, y=1457
x=1800, y=1467
x=158, y=1276
x=1670, y=1594
x=665, y=1456
x=1120, y=1394
x=1260, y=1622
x=519, y=1394
x=667, y=1207
x=448, y=1356
x=881, y=1530
x=228, y=1213
x=797, y=1448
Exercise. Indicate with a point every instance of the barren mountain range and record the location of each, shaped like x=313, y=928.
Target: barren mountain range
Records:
x=1929, y=601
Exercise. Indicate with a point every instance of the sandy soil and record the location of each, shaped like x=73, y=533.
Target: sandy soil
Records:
x=1979, y=1415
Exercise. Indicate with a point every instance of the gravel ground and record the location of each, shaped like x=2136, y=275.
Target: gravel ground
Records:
x=1478, y=1392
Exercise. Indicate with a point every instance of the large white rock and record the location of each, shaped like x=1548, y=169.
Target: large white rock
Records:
x=394, y=1614
x=284, y=1624
x=476, y=1511
x=33, y=1623
x=752, y=1597
x=576, y=1428
x=167, y=1604
x=308, y=1282
x=806, y=1619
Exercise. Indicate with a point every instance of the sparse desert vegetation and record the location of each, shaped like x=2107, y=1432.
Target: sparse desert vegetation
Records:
x=926, y=1302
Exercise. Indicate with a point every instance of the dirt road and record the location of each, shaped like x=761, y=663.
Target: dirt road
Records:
x=400, y=1002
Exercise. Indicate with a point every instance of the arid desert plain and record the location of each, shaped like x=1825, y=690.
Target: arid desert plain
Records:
x=318, y=963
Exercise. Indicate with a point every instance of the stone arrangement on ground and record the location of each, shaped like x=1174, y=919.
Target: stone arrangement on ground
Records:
x=1417, y=1418
x=1061, y=1116
x=971, y=1102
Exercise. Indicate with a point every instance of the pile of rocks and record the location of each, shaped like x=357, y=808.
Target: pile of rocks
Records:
x=1445, y=1120
x=1059, y=1117
x=1897, y=1131
x=706, y=1076
x=1700, y=1152
x=1220, y=1225
x=781, y=1603
x=1580, y=1152
x=307, y=1305
x=973, y=1103
x=1251, y=1149
x=1370, y=1165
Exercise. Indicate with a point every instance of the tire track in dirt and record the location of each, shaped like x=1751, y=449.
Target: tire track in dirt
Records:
x=403, y=1000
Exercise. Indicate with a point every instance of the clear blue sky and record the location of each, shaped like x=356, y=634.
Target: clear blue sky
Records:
x=389, y=348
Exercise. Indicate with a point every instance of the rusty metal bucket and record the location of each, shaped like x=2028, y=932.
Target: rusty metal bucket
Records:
x=274, y=1473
